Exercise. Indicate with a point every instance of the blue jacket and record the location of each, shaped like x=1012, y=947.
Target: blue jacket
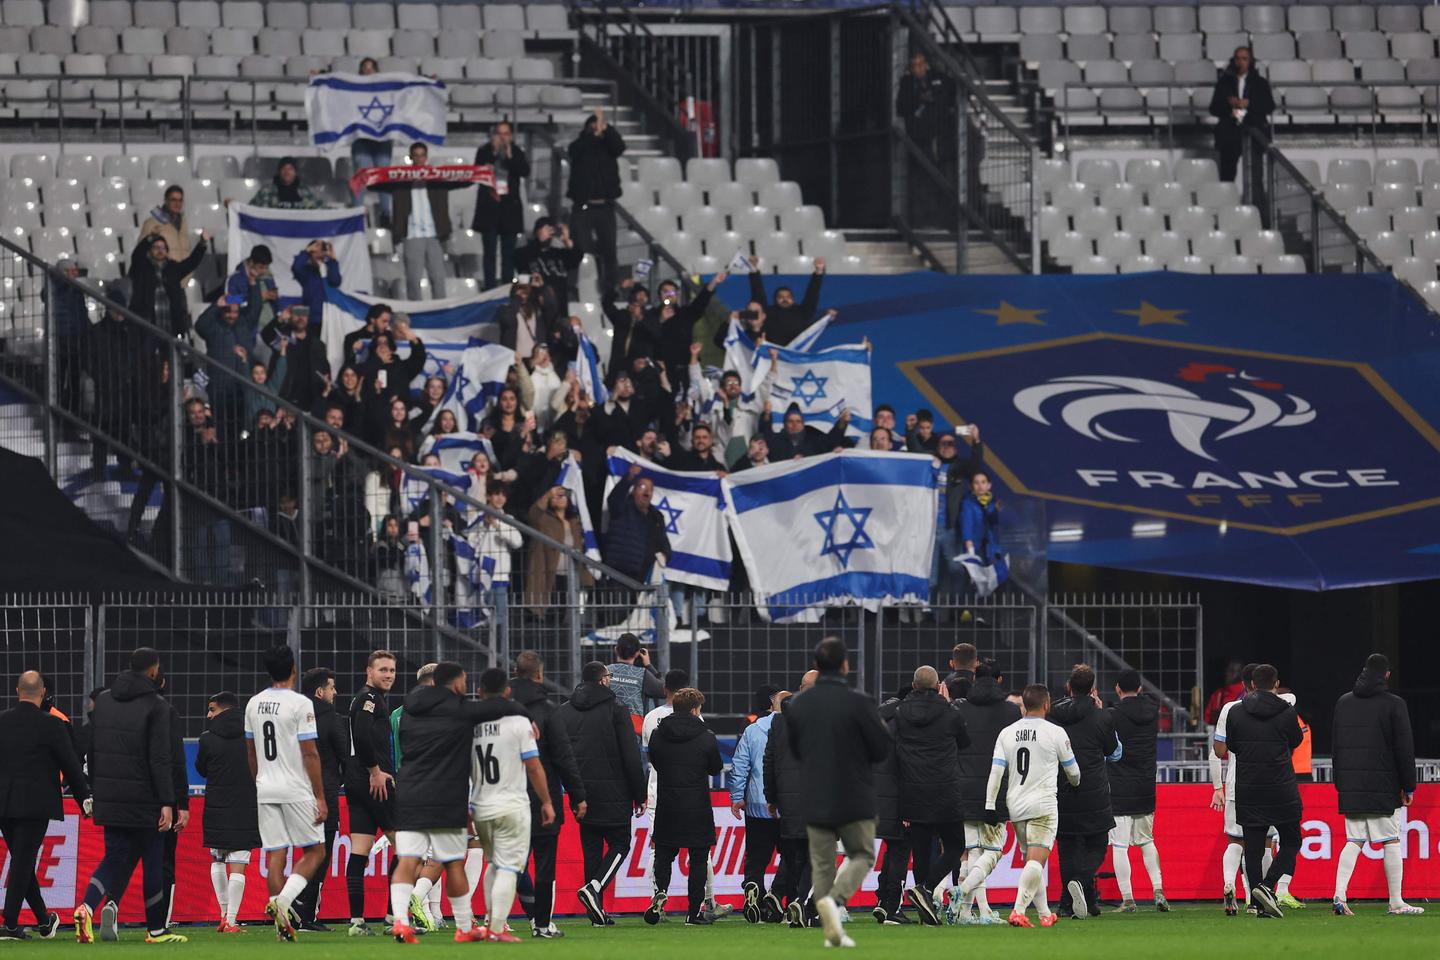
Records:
x=239, y=285
x=978, y=525
x=221, y=339
x=312, y=284
x=747, y=768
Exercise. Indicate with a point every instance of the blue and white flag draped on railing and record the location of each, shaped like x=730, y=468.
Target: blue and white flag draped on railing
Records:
x=342, y=107
x=850, y=527
x=287, y=232
x=740, y=354
x=456, y=450
x=571, y=479
x=446, y=327
x=693, y=507
x=587, y=367
x=825, y=384
x=414, y=491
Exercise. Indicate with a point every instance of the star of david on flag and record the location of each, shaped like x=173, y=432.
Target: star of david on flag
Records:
x=808, y=388
x=375, y=111
x=839, y=519
x=672, y=514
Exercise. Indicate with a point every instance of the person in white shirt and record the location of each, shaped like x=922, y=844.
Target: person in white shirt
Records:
x=1031, y=752
x=289, y=790
x=422, y=225
x=506, y=758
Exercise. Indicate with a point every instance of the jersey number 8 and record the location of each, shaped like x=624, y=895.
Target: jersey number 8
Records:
x=267, y=740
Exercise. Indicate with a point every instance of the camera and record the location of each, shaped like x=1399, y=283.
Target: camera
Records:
x=749, y=315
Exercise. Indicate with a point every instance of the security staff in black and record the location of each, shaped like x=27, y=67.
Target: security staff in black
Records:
x=1261, y=732
x=561, y=772
x=1085, y=817
x=232, y=828
x=608, y=754
x=782, y=795
x=333, y=742
x=38, y=753
x=369, y=778
x=929, y=735
x=1136, y=717
x=134, y=790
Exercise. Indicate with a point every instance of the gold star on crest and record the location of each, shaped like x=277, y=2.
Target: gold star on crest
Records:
x=1007, y=314
x=1151, y=315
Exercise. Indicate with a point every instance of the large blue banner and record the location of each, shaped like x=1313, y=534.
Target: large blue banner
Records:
x=1276, y=430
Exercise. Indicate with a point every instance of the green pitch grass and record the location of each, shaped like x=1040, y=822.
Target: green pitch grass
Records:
x=1190, y=931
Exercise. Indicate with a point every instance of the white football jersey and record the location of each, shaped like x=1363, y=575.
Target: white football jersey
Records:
x=1220, y=736
x=647, y=730
x=277, y=720
x=1031, y=750
x=497, y=767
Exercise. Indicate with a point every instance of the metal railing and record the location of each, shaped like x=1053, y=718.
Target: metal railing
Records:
x=160, y=103
x=219, y=480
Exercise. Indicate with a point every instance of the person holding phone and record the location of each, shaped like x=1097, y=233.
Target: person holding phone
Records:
x=315, y=268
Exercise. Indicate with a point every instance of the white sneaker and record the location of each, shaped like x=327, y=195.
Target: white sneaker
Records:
x=829, y=912
x=844, y=942
x=1077, y=900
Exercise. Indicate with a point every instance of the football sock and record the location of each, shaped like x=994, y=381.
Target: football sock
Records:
x=1283, y=886
x=234, y=897
x=294, y=886
x=217, y=880
x=982, y=900
x=709, y=880
x=474, y=867
x=499, y=899
x=400, y=901
x=355, y=886
x=1121, y=860
x=1394, y=873
x=1266, y=860
x=1151, y=856
x=1030, y=882
x=464, y=915
x=436, y=898
x=422, y=890
x=1042, y=897
x=1230, y=863
x=1348, y=856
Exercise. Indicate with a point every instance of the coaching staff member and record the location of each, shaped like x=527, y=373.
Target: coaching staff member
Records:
x=333, y=741
x=783, y=776
x=38, y=753
x=1132, y=788
x=608, y=754
x=232, y=816
x=369, y=778
x=838, y=736
x=1374, y=776
x=134, y=792
x=1261, y=732
x=558, y=761
x=987, y=711
x=1085, y=817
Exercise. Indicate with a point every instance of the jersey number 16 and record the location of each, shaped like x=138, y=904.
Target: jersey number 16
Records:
x=489, y=763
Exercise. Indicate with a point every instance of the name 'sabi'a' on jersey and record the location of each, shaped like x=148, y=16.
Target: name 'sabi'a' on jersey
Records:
x=278, y=721
x=1031, y=750
x=497, y=767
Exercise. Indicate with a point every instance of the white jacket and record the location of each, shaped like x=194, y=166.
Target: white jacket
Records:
x=495, y=541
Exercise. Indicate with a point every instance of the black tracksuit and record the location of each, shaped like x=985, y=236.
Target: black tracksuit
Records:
x=231, y=815
x=1085, y=816
x=437, y=730
x=929, y=734
x=39, y=752
x=608, y=755
x=685, y=755
x=1261, y=733
x=562, y=776
x=131, y=756
x=1374, y=749
x=1132, y=777
x=782, y=791
x=333, y=743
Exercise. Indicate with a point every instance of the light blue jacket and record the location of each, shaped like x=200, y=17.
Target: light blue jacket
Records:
x=747, y=768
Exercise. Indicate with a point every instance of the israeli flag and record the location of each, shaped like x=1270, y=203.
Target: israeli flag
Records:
x=287, y=232
x=588, y=370
x=571, y=480
x=414, y=492
x=742, y=356
x=342, y=107
x=456, y=450
x=824, y=383
x=447, y=327
x=855, y=527
x=693, y=507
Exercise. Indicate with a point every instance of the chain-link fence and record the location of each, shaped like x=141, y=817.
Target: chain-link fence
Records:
x=55, y=635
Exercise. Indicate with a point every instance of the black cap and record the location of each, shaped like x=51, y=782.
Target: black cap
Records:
x=261, y=254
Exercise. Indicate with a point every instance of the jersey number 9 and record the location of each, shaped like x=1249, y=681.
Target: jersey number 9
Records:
x=1022, y=763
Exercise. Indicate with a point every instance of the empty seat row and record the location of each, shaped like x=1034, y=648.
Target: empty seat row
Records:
x=1187, y=221
x=286, y=14
x=999, y=23
x=258, y=65
x=1218, y=47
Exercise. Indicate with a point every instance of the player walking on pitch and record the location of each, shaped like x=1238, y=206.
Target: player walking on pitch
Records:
x=1031, y=750
x=289, y=790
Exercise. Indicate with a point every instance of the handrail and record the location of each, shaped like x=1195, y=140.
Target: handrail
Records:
x=313, y=423
x=921, y=247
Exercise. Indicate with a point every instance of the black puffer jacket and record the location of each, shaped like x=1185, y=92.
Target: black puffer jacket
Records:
x=1085, y=810
x=888, y=823
x=1261, y=732
x=437, y=729
x=1374, y=748
x=333, y=742
x=986, y=713
x=231, y=819
x=129, y=760
x=1132, y=778
x=929, y=735
x=685, y=756
x=607, y=753
x=556, y=755
x=782, y=777
x=594, y=164
x=839, y=738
